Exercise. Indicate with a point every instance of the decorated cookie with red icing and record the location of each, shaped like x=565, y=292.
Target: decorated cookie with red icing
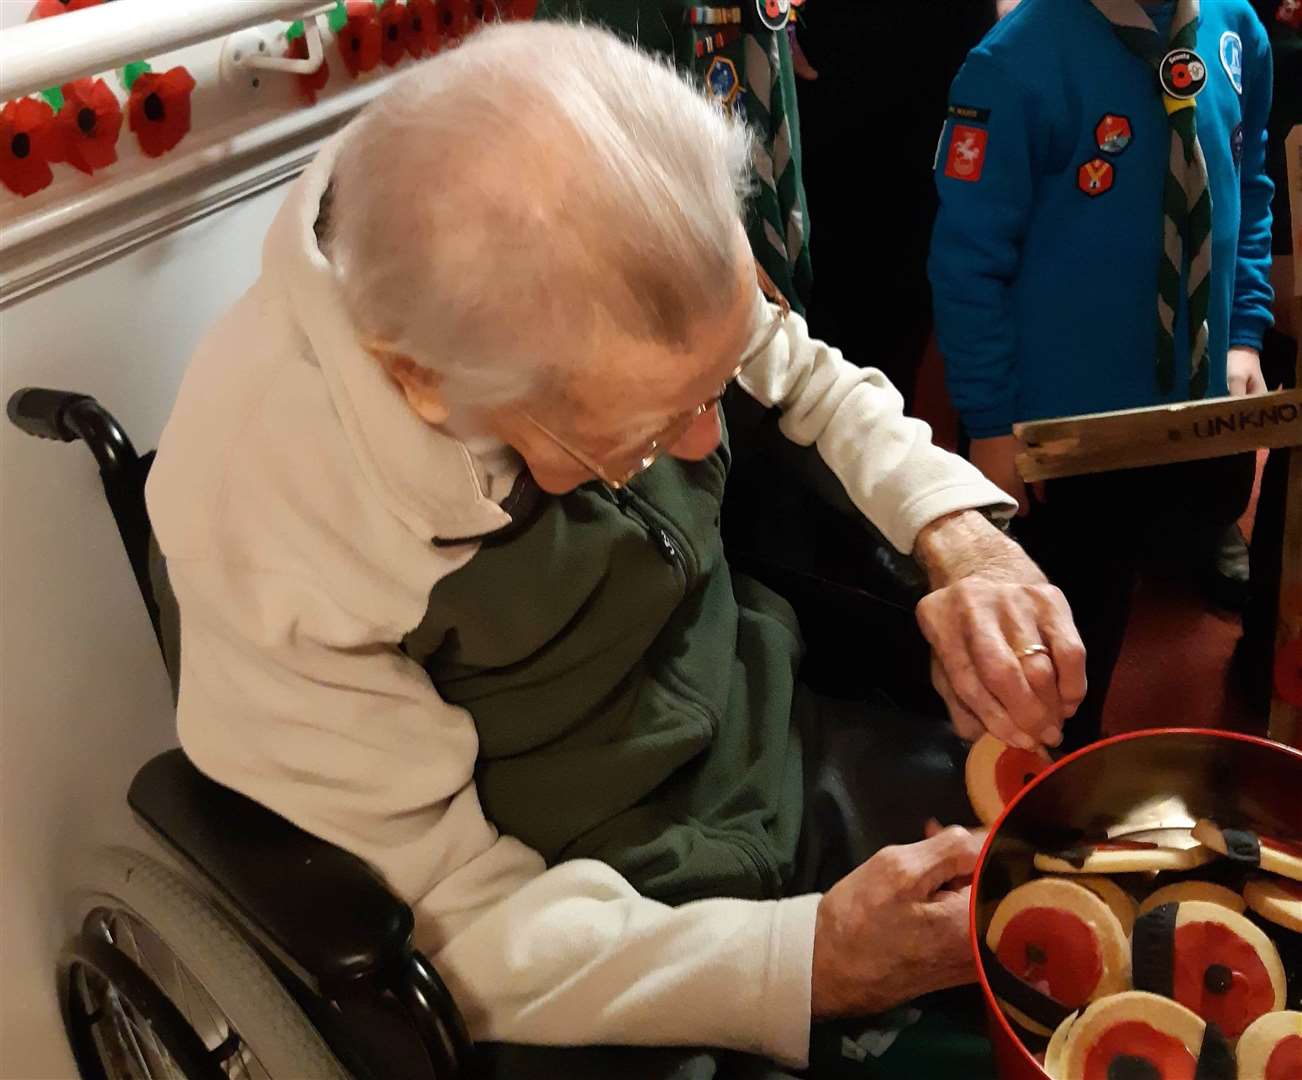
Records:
x=1276, y=899
x=1184, y=891
x=996, y=772
x=1211, y=960
x=1275, y=854
x=1061, y=939
x=1271, y=1049
x=1130, y=1036
x=1122, y=857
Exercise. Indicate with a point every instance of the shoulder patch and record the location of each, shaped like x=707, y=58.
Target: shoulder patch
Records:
x=1232, y=59
x=967, y=153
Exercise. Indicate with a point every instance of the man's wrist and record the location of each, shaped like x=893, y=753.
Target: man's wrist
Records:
x=965, y=543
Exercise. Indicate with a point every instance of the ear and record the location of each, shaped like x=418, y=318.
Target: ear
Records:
x=419, y=385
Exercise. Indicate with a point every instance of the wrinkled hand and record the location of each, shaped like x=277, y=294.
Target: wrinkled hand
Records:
x=1244, y=371
x=896, y=927
x=990, y=601
x=997, y=459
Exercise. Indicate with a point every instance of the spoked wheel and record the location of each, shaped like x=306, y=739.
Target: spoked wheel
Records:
x=158, y=986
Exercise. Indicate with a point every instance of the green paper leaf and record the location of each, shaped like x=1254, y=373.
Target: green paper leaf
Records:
x=132, y=72
x=338, y=17
x=294, y=30
x=54, y=96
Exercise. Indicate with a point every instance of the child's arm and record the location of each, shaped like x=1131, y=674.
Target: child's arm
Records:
x=985, y=177
x=1253, y=296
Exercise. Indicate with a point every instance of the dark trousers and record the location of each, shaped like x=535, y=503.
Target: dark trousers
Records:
x=1094, y=536
x=874, y=775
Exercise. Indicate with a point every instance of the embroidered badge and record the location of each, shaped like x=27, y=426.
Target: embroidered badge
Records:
x=1232, y=59
x=1096, y=177
x=967, y=153
x=721, y=79
x=971, y=113
x=1113, y=133
x=774, y=13
x=1236, y=144
x=1183, y=74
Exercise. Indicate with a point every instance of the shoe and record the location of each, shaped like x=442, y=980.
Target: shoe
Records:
x=1227, y=582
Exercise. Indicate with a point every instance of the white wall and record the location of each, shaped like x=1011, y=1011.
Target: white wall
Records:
x=83, y=697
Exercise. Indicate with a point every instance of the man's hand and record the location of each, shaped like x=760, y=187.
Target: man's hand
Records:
x=990, y=602
x=896, y=927
x=997, y=459
x=1244, y=370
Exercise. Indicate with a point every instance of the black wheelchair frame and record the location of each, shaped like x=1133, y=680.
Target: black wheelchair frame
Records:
x=327, y=926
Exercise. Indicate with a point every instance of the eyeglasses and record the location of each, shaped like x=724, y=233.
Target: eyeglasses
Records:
x=645, y=453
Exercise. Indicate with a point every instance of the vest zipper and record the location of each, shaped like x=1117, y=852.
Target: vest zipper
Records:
x=664, y=543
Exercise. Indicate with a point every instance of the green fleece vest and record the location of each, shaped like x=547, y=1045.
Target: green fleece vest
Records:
x=633, y=697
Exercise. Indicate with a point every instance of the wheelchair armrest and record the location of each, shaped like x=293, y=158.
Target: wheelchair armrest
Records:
x=322, y=911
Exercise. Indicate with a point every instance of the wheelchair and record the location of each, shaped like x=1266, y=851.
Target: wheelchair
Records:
x=276, y=955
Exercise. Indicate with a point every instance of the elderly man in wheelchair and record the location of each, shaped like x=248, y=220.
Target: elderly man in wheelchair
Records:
x=443, y=583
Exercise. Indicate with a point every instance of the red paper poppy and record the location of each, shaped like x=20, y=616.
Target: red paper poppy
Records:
x=456, y=18
x=29, y=141
x=89, y=124
x=359, y=40
x=43, y=9
x=393, y=44
x=421, y=28
x=159, y=109
x=309, y=85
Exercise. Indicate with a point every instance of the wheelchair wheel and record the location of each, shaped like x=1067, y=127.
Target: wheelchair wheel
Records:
x=159, y=985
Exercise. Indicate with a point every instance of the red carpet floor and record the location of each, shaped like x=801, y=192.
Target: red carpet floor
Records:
x=1175, y=662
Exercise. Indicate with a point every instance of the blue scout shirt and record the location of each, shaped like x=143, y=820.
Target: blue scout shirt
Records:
x=1050, y=171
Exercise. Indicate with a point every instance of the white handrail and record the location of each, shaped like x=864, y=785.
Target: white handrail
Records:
x=52, y=51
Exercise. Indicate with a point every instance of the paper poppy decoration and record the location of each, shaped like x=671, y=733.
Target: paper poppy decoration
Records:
x=29, y=141
x=359, y=40
x=422, y=30
x=457, y=17
x=159, y=109
x=89, y=124
x=393, y=41
x=308, y=85
x=44, y=9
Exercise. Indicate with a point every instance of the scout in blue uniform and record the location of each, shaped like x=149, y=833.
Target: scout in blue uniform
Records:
x=1069, y=268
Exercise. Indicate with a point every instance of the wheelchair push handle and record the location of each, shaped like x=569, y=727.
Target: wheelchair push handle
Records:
x=43, y=413
x=67, y=416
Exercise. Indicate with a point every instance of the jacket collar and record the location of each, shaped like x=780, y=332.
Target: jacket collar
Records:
x=426, y=478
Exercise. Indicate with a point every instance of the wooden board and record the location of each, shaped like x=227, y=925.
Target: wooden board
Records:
x=1131, y=438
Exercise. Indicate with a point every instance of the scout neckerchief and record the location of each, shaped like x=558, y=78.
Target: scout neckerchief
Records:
x=1187, y=202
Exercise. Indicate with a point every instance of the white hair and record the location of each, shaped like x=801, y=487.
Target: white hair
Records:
x=506, y=194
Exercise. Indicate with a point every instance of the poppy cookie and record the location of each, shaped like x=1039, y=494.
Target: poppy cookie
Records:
x=1131, y=1035
x=1184, y=891
x=1122, y=857
x=1061, y=940
x=996, y=772
x=1211, y=960
x=1271, y=1049
x=1275, y=855
x=1277, y=900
